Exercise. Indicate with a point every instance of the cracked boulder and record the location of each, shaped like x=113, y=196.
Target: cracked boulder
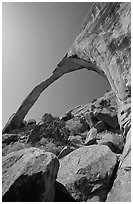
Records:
x=121, y=190
x=29, y=176
x=86, y=172
x=77, y=125
x=114, y=141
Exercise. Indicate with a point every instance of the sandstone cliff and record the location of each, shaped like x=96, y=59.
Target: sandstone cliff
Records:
x=104, y=46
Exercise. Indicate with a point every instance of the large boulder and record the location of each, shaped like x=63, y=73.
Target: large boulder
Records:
x=114, y=141
x=87, y=172
x=29, y=175
x=108, y=118
x=121, y=191
x=61, y=193
x=76, y=125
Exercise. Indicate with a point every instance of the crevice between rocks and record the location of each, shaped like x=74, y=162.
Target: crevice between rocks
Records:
x=112, y=179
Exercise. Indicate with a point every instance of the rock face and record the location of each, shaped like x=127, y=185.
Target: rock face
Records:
x=106, y=42
x=29, y=175
x=86, y=172
x=103, y=46
x=121, y=191
x=76, y=125
x=114, y=141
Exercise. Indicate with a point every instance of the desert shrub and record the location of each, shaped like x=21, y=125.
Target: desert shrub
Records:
x=104, y=103
x=93, y=107
x=54, y=128
x=43, y=141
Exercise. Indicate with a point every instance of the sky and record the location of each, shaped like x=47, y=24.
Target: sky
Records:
x=35, y=37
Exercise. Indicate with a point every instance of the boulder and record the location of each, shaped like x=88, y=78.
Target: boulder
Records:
x=91, y=137
x=76, y=125
x=61, y=193
x=114, y=141
x=108, y=118
x=28, y=175
x=87, y=172
x=121, y=190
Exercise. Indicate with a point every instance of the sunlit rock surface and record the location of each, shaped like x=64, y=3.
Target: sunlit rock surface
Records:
x=103, y=46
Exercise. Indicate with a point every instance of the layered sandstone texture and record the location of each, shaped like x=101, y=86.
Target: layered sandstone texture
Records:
x=103, y=46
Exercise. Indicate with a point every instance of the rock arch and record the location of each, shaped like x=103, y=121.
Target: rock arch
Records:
x=102, y=46
x=68, y=64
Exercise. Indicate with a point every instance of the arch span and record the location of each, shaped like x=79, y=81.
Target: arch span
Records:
x=68, y=64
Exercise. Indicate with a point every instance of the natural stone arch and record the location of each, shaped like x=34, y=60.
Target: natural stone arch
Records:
x=65, y=66
x=102, y=46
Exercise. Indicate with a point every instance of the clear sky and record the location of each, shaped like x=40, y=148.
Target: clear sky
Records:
x=35, y=38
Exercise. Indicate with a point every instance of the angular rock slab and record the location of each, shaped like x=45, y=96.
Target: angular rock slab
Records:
x=29, y=175
x=91, y=137
x=87, y=171
x=121, y=191
x=114, y=141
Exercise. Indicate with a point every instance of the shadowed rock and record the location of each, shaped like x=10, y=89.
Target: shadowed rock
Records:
x=29, y=176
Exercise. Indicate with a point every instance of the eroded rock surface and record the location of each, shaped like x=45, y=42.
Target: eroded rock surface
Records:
x=86, y=172
x=121, y=191
x=114, y=141
x=91, y=137
x=103, y=46
x=29, y=175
